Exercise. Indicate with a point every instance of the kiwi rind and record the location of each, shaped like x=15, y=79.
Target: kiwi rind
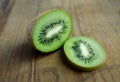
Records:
x=83, y=68
x=35, y=20
x=73, y=64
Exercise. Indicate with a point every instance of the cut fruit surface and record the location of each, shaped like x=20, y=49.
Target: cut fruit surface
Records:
x=84, y=53
x=51, y=30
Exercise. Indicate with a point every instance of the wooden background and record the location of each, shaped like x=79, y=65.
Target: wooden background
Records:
x=19, y=62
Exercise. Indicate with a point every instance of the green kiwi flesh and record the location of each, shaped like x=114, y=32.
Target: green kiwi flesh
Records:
x=84, y=53
x=51, y=30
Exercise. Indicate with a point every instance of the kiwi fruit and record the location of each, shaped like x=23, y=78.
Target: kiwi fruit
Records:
x=84, y=53
x=51, y=30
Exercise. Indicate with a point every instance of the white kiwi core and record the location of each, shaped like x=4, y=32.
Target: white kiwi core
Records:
x=53, y=31
x=84, y=50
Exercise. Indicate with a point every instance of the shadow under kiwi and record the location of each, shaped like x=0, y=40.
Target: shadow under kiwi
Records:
x=38, y=54
x=24, y=52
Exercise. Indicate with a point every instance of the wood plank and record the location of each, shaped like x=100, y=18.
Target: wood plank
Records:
x=19, y=62
x=5, y=8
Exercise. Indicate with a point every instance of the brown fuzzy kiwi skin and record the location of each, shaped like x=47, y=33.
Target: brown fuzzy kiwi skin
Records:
x=36, y=18
x=31, y=26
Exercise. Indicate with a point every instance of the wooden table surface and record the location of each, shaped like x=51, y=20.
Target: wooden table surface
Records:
x=19, y=62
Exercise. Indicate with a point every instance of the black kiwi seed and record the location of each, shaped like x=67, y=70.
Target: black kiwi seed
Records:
x=59, y=21
x=79, y=54
x=50, y=26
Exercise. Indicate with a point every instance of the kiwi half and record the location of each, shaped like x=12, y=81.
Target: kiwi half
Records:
x=84, y=53
x=51, y=30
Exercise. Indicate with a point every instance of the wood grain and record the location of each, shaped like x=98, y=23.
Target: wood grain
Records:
x=5, y=8
x=19, y=62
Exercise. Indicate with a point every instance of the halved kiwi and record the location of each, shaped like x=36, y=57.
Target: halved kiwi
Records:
x=84, y=53
x=51, y=30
